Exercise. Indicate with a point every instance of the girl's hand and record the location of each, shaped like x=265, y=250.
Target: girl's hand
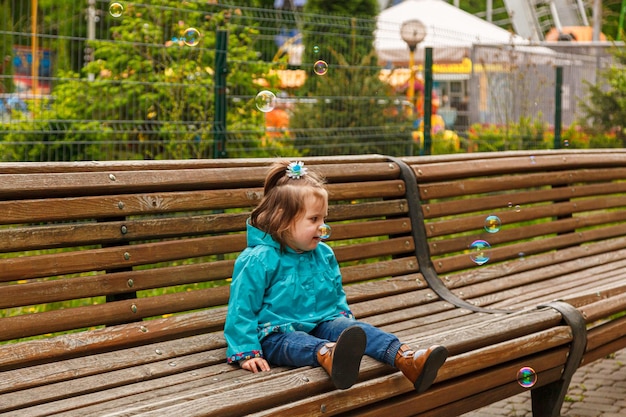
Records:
x=255, y=365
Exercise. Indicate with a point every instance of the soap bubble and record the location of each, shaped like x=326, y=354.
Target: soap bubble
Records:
x=324, y=231
x=532, y=160
x=492, y=224
x=265, y=101
x=116, y=9
x=526, y=377
x=316, y=49
x=479, y=251
x=320, y=67
x=191, y=37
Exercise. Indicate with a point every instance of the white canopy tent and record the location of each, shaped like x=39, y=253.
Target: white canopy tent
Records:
x=450, y=31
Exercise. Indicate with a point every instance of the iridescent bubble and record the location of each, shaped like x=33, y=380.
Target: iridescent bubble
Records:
x=316, y=49
x=116, y=9
x=532, y=160
x=479, y=251
x=265, y=101
x=191, y=37
x=324, y=231
x=492, y=224
x=518, y=208
x=566, y=143
x=527, y=377
x=320, y=67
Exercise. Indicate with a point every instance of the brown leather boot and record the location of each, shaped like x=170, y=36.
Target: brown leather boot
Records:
x=342, y=359
x=421, y=367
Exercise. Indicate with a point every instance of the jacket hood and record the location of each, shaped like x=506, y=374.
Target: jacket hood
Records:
x=257, y=237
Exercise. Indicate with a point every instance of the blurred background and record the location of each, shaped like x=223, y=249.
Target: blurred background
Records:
x=165, y=79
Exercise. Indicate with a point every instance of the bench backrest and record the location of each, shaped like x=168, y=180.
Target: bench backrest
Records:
x=87, y=245
x=542, y=214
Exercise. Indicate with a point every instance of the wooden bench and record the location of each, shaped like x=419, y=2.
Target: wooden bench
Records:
x=113, y=281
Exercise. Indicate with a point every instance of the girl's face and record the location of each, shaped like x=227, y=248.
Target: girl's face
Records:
x=304, y=234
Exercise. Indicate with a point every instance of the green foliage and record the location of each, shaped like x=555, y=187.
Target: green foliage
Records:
x=528, y=133
x=605, y=105
x=352, y=43
x=358, y=122
x=145, y=85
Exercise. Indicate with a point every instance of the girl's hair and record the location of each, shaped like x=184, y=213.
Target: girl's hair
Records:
x=284, y=199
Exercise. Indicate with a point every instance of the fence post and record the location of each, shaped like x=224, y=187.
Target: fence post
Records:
x=558, y=108
x=221, y=69
x=428, y=99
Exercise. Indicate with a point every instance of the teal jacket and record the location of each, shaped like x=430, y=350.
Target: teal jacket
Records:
x=274, y=291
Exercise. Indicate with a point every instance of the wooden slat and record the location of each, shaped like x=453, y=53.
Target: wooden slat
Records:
x=502, y=166
x=207, y=401
x=380, y=269
x=603, y=351
x=555, y=285
x=357, y=251
x=605, y=333
x=138, y=165
x=364, y=210
x=385, y=288
x=531, y=263
x=27, y=325
x=114, y=283
x=48, y=185
x=97, y=207
x=604, y=308
x=117, y=257
x=581, y=299
x=424, y=308
x=513, y=227
x=83, y=234
x=459, y=262
x=33, y=352
x=372, y=189
x=518, y=232
x=371, y=228
x=510, y=182
x=124, y=396
x=31, y=185
x=443, y=399
x=35, y=376
x=360, y=404
x=523, y=199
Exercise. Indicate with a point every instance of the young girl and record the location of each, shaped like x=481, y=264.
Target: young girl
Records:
x=287, y=305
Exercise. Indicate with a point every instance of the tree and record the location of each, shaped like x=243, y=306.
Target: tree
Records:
x=152, y=83
x=605, y=105
x=348, y=107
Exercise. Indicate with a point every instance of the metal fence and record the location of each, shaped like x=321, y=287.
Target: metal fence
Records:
x=101, y=80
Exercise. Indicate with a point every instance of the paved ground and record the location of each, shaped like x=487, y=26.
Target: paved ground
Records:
x=597, y=390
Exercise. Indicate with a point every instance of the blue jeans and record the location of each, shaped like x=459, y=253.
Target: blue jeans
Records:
x=300, y=348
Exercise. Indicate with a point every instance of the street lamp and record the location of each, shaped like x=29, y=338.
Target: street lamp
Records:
x=412, y=32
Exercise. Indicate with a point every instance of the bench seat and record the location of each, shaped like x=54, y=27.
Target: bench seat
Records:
x=115, y=277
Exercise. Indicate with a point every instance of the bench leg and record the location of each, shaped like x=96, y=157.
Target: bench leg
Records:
x=548, y=399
